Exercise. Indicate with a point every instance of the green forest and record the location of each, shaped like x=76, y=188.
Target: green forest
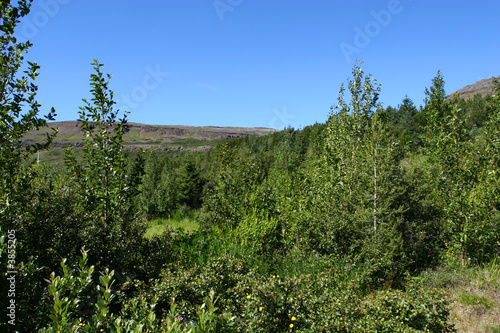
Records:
x=380, y=219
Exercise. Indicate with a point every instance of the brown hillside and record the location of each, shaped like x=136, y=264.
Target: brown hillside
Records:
x=155, y=137
x=483, y=87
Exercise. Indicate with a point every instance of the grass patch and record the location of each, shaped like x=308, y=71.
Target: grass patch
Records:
x=473, y=293
x=473, y=299
x=157, y=226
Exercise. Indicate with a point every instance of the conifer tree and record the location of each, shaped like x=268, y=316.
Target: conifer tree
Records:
x=407, y=115
x=189, y=185
x=435, y=111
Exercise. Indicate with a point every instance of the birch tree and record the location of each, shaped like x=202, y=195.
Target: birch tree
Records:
x=360, y=158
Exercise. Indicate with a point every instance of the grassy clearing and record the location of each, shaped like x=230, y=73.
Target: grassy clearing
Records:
x=473, y=293
x=158, y=225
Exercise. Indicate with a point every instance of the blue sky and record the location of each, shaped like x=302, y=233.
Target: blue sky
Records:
x=267, y=63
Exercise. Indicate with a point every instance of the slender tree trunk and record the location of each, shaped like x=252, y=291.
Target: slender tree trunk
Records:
x=375, y=185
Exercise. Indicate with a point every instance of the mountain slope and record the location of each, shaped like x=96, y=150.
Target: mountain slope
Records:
x=155, y=137
x=483, y=87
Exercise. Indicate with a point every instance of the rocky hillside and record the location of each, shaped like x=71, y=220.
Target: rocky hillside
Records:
x=156, y=137
x=483, y=87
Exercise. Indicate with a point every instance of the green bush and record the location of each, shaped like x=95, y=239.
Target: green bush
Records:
x=74, y=309
x=324, y=301
x=105, y=188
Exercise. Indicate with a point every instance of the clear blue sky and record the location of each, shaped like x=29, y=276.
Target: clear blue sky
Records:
x=268, y=63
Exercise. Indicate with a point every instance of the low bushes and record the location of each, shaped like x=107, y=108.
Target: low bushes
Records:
x=228, y=295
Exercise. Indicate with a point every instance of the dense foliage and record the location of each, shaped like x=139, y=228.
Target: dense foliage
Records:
x=322, y=229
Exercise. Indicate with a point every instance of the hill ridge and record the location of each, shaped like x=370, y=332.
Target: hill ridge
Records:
x=483, y=87
x=151, y=137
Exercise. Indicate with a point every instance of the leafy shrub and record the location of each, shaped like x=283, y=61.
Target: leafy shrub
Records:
x=190, y=286
x=73, y=311
x=105, y=189
x=257, y=230
x=325, y=301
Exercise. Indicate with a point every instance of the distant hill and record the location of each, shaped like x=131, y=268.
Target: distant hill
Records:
x=148, y=137
x=483, y=87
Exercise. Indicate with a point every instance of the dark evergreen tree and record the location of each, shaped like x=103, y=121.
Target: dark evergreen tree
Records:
x=159, y=186
x=190, y=185
x=407, y=115
x=435, y=111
